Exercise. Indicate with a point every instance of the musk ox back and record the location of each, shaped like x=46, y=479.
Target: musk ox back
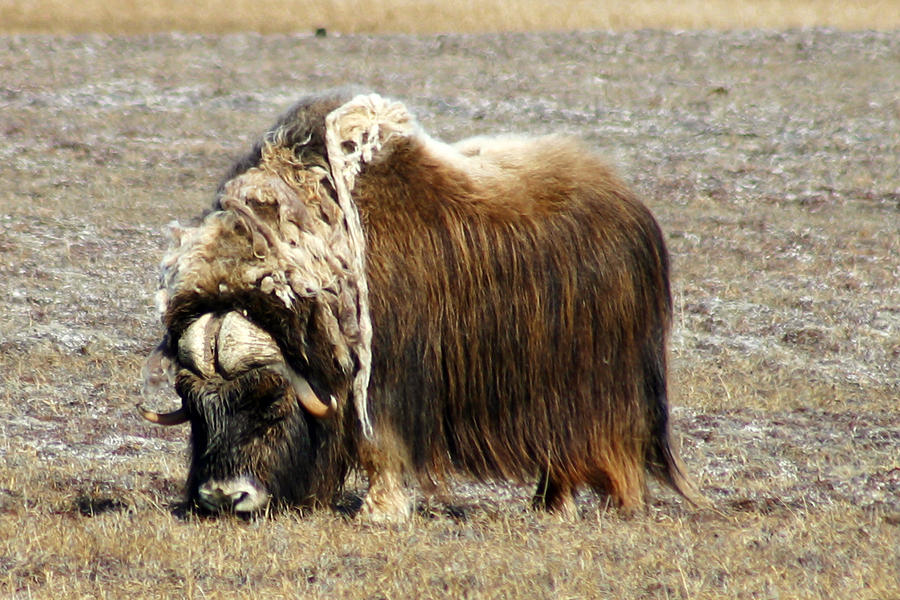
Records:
x=362, y=295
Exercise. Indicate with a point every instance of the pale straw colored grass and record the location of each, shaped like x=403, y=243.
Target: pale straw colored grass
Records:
x=436, y=16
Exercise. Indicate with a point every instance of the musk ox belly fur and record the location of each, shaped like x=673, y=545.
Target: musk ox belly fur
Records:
x=499, y=307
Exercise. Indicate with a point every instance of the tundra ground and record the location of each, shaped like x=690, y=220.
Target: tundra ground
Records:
x=771, y=162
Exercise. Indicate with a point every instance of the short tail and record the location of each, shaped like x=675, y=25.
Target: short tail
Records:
x=663, y=461
x=668, y=468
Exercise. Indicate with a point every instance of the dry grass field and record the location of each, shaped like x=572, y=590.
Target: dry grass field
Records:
x=437, y=16
x=771, y=161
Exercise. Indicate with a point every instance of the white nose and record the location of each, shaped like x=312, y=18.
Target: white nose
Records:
x=237, y=495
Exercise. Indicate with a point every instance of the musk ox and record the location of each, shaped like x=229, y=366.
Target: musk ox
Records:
x=364, y=296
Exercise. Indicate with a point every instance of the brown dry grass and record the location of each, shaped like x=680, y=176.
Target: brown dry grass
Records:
x=437, y=16
x=770, y=160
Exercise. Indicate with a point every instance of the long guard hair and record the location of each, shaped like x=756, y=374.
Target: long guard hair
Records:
x=515, y=293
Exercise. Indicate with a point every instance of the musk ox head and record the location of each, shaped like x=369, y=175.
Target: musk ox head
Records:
x=254, y=417
x=264, y=301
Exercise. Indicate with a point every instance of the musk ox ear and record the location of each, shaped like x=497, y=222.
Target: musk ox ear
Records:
x=355, y=133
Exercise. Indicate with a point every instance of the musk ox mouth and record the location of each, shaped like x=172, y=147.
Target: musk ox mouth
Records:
x=229, y=345
x=242, y=495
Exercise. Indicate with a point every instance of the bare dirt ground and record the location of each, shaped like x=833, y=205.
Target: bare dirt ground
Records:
x=772, y=161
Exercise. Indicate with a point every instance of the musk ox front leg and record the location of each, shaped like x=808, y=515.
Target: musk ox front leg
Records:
x=387, y=499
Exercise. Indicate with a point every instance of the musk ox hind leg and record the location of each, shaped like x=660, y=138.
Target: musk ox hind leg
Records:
x=622, y=489
x=554, y=496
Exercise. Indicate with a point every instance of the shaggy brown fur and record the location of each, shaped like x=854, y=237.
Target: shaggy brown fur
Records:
x=519, y=301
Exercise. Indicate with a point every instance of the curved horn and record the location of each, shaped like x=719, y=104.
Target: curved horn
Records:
x=311, y=402
x=306, y=395
x=176, y=417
